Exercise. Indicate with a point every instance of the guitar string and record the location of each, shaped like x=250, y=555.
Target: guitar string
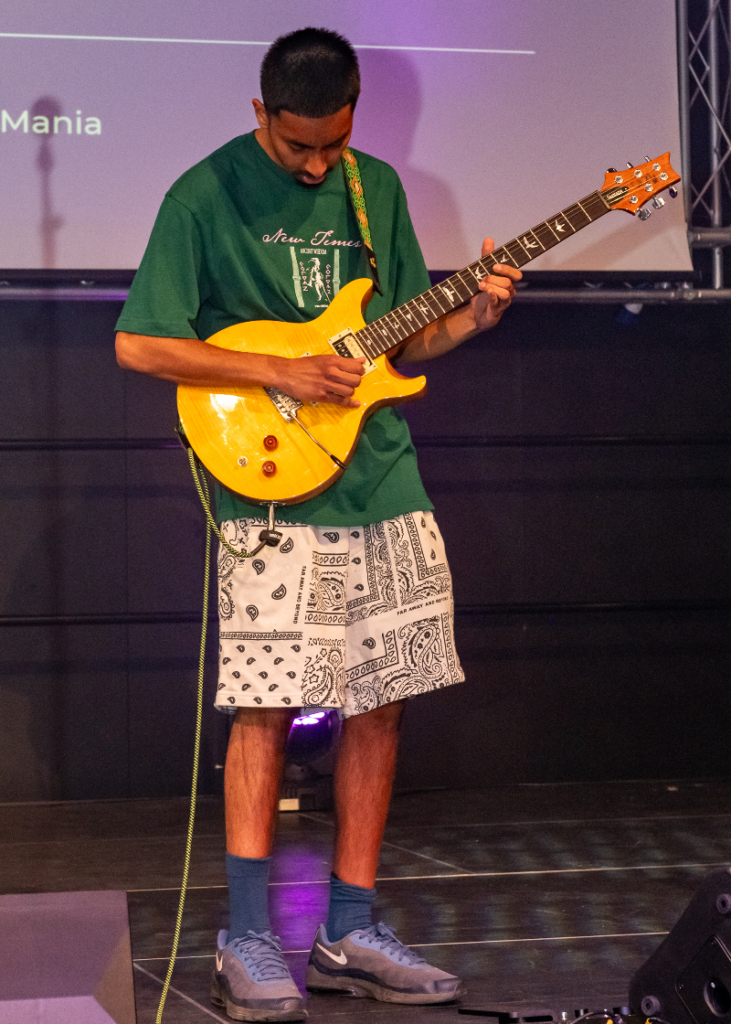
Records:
x=588, y=209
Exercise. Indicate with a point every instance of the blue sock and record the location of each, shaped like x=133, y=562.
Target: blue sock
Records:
x=248, y=880
x=350, y=908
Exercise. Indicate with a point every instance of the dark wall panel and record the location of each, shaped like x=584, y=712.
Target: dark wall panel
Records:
x=64, y=715
x=576, y=697
x=149, y=406
x=59, y=374
x=63, y=523
x=163, y=677
x=165, y=533
x=562, y=369
x=583, y=524
x=108, y=709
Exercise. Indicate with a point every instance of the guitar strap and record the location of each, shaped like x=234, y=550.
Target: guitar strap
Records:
x=357, y=200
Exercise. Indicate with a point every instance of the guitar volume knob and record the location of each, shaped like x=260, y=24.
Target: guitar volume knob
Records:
x=271, y=442
x=269, y=468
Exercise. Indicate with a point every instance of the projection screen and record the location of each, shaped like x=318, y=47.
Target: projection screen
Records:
x=496, y=115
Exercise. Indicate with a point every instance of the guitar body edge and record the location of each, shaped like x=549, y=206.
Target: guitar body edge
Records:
x=240, y=436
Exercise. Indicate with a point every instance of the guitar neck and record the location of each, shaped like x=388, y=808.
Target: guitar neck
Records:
x=398, y=325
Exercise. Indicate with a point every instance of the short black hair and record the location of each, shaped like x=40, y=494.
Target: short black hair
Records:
x=312, y=72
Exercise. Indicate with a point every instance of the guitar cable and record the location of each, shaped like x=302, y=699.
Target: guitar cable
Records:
x=197, y=740
x=271, y=538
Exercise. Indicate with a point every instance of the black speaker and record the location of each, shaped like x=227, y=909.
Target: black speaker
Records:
x=687, y=980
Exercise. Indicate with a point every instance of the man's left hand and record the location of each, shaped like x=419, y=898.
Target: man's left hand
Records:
x=496, y=291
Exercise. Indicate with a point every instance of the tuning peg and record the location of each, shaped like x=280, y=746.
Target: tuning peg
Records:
x=611, y=170
x=630, y=165
x=658, y=202
x=673, y=192
x=647, y=159
x=645, y=213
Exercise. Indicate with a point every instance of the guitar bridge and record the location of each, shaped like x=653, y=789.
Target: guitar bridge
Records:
x=284, y=404
x=346, y=345
x=289, y=408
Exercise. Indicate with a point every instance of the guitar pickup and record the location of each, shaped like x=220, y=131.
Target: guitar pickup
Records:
x=346, y=345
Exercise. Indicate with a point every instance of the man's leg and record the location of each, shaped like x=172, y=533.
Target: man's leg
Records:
x=349, y=954
x=251, y=979
x=253, y=775
x=254, y=764
x=363, y=783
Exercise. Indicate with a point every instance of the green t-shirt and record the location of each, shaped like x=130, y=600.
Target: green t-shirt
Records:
x=238, y=238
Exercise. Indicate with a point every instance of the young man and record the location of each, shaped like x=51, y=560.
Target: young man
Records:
x=263, y=229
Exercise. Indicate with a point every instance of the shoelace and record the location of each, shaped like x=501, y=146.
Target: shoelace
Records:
x=262, y=955
x=381, y=936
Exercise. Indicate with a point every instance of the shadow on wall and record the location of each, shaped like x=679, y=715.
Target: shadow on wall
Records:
x=46, y=107
x=386, y=120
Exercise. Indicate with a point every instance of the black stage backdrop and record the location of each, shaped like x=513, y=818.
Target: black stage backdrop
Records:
x=567, y=691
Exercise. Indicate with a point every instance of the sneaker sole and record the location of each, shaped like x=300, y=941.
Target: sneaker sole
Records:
x=362, y=989
x=220, y=999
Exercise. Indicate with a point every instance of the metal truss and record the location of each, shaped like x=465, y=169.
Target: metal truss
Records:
x=704, y=75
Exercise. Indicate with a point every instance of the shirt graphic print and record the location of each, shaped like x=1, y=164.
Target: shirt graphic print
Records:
x=317, y=273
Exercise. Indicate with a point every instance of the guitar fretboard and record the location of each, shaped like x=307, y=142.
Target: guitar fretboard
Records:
x=398, y=325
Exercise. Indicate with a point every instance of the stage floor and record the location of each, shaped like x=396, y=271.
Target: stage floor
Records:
x=547, y=895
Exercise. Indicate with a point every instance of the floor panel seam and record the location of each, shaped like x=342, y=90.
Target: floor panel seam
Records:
x=468, y=874
x=329, y=824
x=424, y=856
x=537, y=938
x=425, y=945
x=560, y=821
x=177, y=992
x=113, y=839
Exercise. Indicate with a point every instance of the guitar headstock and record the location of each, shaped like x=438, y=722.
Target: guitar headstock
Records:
x=630, y=189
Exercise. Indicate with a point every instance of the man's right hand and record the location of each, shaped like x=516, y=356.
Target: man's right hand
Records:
x=328, y=378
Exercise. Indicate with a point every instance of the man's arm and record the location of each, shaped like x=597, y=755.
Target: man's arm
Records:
x=483, y=312
x=326, y=378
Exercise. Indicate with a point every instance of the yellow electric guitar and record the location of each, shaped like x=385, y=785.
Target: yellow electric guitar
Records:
x=269, y=447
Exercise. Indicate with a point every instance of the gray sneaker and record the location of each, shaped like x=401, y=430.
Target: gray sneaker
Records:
x=251, y=981
x=372, y=962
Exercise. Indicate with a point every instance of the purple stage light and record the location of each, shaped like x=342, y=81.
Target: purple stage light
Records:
x=312, y=735
x=310, y=719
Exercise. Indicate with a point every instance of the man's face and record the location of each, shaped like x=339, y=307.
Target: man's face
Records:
x=307, y=147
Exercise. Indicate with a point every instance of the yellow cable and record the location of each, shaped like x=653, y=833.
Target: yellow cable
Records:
x=201, y=485
x=205, y=498
x=196, y=759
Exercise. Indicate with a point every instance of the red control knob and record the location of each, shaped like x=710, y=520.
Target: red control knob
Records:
x=269, y=468
x=270, y=442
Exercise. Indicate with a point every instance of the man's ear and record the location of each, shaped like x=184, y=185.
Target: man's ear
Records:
x=261, y=113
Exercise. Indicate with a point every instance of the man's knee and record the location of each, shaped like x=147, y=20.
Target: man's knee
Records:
x=387, y=718
x=263, y=717
x=269, y=726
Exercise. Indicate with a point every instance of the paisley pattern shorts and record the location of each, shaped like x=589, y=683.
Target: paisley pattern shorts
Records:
x=343, y=617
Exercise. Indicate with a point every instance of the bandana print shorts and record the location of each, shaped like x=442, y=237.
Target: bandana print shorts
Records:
x=343, y=617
